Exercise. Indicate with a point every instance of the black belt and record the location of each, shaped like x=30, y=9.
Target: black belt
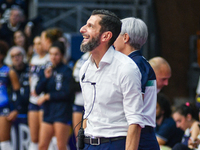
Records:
x=98, y=141
x=147, y=129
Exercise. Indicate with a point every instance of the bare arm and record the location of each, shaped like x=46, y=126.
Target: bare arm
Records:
x=14, y=80
x=192, y=143
x=160, y=141
x=84, y=123
x=16, y=86
x=133, y=137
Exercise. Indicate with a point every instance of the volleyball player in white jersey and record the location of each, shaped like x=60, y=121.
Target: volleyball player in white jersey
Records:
x=35, y=112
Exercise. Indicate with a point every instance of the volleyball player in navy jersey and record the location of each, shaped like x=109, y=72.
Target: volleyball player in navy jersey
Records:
x=57, y=105
x=8, y=77
x=42, y=44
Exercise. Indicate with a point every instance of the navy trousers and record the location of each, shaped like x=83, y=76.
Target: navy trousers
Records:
x=148, y=139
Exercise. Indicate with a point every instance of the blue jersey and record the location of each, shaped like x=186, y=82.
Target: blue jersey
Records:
x=145, y=69
x=4, y=82
x=58, y=87
x=149, y=90
x=168, y=132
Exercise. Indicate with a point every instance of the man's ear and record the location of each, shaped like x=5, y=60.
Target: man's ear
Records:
x=126, y=37
x=106, y=36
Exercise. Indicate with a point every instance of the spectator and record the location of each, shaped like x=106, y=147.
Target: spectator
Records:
x=162, y=70
x=20, y=39
x=57, y=105
x=166, y=131
x=7, y=5
x=14, y=23
x=17, y=22
x=186, y=118
x=8, y=77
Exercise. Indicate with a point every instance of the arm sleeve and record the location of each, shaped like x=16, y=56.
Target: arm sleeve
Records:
x=41, y=84
x=132, y=93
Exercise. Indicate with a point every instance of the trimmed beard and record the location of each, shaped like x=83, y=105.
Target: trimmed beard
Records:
x=91, y=45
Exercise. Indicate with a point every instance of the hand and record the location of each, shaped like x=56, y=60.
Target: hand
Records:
x=48, y=72
x=13, y=115
x=42, y=99
x=193, y=143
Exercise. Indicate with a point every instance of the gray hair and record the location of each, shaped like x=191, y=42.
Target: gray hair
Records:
x=21, y=13
x=137, y=31
x=8, y=60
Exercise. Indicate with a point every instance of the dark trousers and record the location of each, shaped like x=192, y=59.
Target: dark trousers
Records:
x=148, y=139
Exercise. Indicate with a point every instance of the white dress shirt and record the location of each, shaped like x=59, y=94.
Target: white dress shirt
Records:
x=115, y=101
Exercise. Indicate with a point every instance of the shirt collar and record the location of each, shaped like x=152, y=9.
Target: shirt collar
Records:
x=135, y=53
x=107, y=57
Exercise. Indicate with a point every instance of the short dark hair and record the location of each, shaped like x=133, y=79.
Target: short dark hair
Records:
x=60, y=46
x=164, y=104
x=109, y=22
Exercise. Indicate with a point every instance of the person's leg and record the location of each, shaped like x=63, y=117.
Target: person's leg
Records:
x=34, y=127
x=45, y=136
x=53, y=144
x=5, y=127
x=62, y=134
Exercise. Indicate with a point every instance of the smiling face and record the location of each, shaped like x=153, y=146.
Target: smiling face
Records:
x=91, y=34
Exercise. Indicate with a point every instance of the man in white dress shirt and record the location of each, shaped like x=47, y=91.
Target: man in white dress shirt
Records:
x=111, y=87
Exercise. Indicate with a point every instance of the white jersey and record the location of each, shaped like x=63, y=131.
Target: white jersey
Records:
x=36, y=66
